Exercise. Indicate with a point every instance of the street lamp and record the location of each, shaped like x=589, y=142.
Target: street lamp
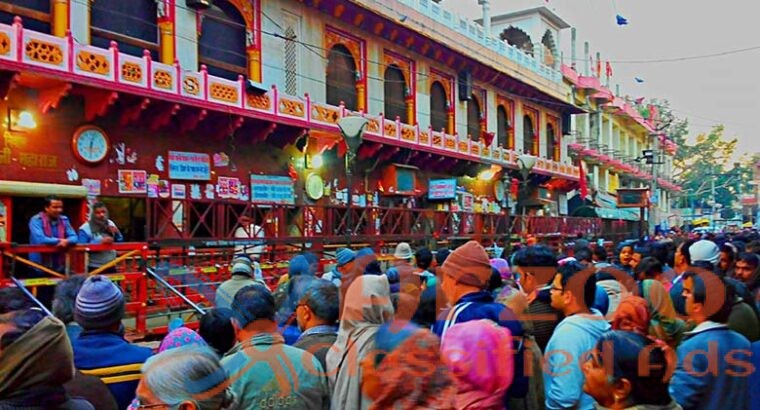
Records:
x=352, y=129
x=527, y=162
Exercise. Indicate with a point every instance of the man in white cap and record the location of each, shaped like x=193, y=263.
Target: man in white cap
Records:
x=241, y=275
x=402, y=266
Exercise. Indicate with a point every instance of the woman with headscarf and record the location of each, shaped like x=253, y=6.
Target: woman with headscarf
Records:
x=407, y=371
x=367, y=307
x=664, y=324
x=632, y=315
x=479, y=355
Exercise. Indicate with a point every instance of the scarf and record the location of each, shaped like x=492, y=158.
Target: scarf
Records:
x=632, y=314
x=34, y=368
x=52, y=259
x=665, y=325
x=367, y=306
x=412, y=376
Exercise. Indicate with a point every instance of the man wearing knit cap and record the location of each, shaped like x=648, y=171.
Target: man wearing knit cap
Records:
x=241, y=276
x=101, y=349
x=464, y=278
x=344, y=264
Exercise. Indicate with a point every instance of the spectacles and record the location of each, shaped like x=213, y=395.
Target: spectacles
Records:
x=556, y=288
x=139, y=405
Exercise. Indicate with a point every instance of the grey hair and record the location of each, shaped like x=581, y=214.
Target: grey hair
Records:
x=65, y=296
x=189, y=373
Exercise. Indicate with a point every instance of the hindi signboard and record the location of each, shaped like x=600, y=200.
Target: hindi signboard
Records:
x=272, y=189
x=189, y=166
x=442, y=188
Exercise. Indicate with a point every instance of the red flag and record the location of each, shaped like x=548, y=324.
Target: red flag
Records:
x=599, y=68
x=608, y=69
x=582, y=176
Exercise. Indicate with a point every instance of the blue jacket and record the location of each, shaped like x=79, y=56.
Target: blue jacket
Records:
x=37, y=236
x=715, y=374
x=481, y=305
x=754, y=379
x=117, y=362
x=573, y=338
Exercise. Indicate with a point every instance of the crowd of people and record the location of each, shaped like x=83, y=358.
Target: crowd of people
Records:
x=668, y=323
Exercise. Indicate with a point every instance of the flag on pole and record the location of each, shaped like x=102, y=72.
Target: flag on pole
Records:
x=608, y=69
x=599, y=68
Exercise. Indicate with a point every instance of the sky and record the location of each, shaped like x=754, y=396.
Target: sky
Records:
x=708, y=91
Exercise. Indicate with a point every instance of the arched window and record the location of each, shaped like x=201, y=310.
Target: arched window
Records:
x=132, y=24
x=438, y=109
x=518, y=38
x=395, y=93
x=341, y=77
x=550, y=49
x=473, y=118
x=528, y=135
x=551, y=141
x=35, y=13
x=222, y=44
x=502, y=128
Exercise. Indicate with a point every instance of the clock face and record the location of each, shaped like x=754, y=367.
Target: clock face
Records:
x=91, y=144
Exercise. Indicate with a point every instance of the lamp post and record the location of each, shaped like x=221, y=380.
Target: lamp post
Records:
x=352, y=129
x=526, y=162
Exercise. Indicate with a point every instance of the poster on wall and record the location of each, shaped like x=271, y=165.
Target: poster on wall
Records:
x=272, y=189
x=179, y=191
x=132, y=181
x=92, y=185
x=468, y=202
x=189, y=166
x=228, y=187
x=153, y=185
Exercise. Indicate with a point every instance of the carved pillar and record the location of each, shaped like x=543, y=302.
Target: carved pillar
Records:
x=409, y=109
x=361, y=96
x=60, y=17
x=166, y=29
x=450, y=121
x=254, y=64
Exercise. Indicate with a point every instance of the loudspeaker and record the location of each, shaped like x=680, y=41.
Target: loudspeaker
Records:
x=566, y=124
x=252, y=87
x=198, y=4
x=464, y=80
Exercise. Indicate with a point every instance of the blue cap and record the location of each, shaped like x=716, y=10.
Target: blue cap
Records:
x=344, y=256
x=299, y=266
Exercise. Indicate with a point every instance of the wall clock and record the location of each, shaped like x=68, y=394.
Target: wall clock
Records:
x=314, y=186
x=90, y=144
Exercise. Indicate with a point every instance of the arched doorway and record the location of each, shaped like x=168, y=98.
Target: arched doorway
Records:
x=394, y=93
x=130, y=23
x=502, y=128
x=341, y=78
x=528, y=135
x=222, y=44
x=473, y=118
x=438, y=107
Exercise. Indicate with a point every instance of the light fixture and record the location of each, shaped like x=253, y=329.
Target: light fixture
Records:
x=317, y=161
x=352, y=128
x=528, y=161
x=20, y=120
x=486, y=175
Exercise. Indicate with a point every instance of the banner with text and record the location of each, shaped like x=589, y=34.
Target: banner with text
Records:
x=272, y=189
x=189, y=166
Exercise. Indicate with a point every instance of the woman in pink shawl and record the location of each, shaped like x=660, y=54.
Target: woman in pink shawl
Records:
x=479, y=355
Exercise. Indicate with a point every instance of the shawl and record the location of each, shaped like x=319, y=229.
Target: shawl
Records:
x=35, y=367
x=632, y=314
x=367, y=307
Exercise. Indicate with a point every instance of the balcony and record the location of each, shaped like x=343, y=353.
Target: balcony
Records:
x=474, y=31
x=29, y=51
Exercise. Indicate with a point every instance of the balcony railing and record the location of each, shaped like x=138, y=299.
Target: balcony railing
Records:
x=108, y=68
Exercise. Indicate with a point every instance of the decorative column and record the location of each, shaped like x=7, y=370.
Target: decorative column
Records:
x=361, y=95
x=254, y=57
x=166, y=14
x=450, y=120
x=60, y=17
x=409, y=100
x=557, y=146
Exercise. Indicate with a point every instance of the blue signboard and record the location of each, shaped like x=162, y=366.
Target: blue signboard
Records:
x=442, y=188
x=272, y=189
x=189, y=166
